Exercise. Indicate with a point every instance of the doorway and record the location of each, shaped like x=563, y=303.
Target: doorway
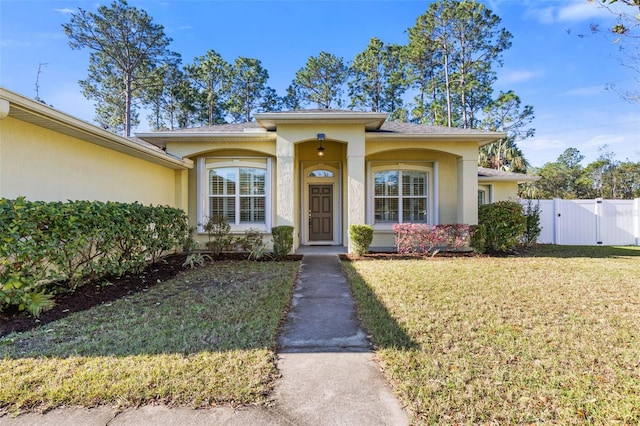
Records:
x=320, y=212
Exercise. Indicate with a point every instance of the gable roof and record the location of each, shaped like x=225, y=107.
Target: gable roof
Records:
x=31, y=111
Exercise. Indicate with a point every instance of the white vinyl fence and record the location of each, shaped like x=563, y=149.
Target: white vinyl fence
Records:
x=589, y=222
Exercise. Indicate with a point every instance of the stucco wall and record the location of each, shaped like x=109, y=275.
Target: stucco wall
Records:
x=45, y=165
x=447, y=183
x=505, y=191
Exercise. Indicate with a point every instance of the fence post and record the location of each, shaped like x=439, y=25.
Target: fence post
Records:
x=636, y=212
x=556, y=220
x=599, y=211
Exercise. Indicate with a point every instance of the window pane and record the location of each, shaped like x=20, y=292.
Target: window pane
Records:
x=252, y=209
x=414, y=183
x=386, y=210
x=222, y=181
x=321, y=173
x=481, y=197
x=252, y=181
x=223, y=206
x=414, y=210
x=386, y=183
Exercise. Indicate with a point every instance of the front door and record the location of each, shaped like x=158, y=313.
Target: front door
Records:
x=321, y=212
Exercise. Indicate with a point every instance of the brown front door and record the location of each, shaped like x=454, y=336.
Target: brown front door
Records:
x=321, y=212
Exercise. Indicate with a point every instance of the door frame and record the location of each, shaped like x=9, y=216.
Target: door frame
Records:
x=336, y=183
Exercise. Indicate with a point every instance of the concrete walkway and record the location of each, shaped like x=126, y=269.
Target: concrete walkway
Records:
x=329, y=376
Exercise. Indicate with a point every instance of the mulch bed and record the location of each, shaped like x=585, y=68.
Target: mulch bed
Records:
x=91, y=295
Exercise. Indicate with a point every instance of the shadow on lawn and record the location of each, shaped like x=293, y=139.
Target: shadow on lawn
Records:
x=601, y=252
x=386, y=332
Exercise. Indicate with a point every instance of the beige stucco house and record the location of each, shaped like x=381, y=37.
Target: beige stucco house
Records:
x=316, y=170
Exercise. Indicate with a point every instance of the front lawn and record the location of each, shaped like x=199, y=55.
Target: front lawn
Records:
x=207, y=337
x=552, y=336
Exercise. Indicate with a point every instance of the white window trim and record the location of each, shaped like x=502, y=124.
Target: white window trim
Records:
x=488, y=191
x=431, y=167
x=235, y=162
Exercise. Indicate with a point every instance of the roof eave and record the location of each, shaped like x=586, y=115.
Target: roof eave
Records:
x=370, y=120
x=481, y=137
x=517, y=179
x=37, y=113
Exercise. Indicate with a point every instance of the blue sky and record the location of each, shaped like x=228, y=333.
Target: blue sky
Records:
x=563, y=76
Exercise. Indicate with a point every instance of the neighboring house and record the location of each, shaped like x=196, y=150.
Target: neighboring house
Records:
x=316, y=170
x=497, y=185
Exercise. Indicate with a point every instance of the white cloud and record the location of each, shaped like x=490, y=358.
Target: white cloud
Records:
x=13, y=43
x=573, y=11
x=517, y=76
x=64, y=10
x=597, y=89
x=579, y=11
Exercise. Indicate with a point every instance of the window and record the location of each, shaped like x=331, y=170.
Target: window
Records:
x=321, y=173
x=482, y=197
x=237, y=189
x=400, y=196
x=237, y=194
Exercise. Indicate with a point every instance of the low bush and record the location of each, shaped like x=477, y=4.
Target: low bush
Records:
x=532, y=228
x=75, y=242
x=422, y=238
x=253, y=243
x=361, y=237
x=282, y=241
x=219, y=232
x=503, y=223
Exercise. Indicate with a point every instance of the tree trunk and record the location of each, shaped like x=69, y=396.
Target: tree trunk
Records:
x=127, y=105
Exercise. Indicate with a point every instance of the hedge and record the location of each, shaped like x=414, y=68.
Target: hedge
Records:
x=71, y=243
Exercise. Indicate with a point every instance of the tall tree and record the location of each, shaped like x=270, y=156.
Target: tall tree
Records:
x=379, y=78
x=161, y=96
x=126, y=46
x=248, y=87
x=465, y=42
x=270, y=101
x=211, y=75
x=505, y=114
x=321, y=81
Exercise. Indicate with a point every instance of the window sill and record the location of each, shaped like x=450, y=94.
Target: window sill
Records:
x=241, y=229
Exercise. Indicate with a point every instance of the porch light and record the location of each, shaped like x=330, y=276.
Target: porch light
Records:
x=320, y=149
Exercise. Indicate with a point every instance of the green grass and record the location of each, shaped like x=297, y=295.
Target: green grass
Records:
x=552, y=336
x=207, y=337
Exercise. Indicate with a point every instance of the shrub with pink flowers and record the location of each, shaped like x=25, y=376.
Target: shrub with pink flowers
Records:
x=422, y=238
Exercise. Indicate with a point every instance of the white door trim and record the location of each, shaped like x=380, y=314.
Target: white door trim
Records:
x=336, y=182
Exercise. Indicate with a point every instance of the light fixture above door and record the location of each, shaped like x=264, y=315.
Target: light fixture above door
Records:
x=320, y=150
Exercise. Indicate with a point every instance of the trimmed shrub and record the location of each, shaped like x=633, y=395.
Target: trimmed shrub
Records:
x=75, y=242
x=504, y=224
x=361, y=237
x=422, y=238
x=282, y=241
